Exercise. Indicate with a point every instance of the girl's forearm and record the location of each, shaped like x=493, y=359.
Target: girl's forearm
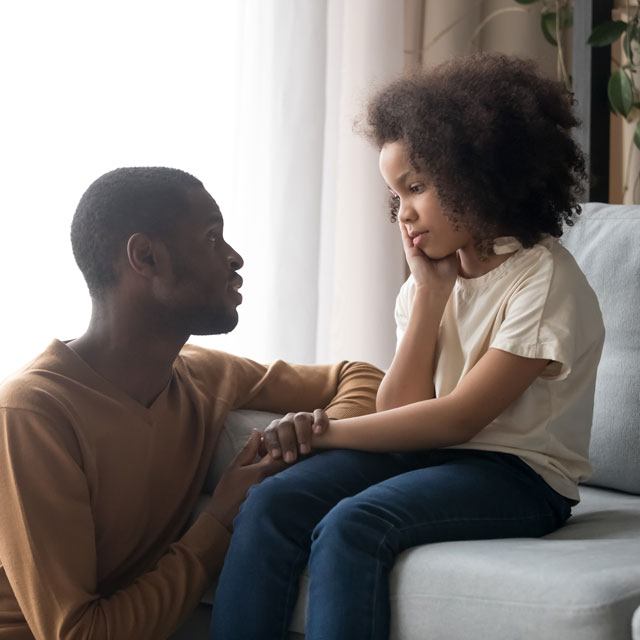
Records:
x=410, y=376
x=423, y=425
x=496, y=381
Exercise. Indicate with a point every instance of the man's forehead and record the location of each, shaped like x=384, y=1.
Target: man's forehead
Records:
x=203, y=204
x=215, y=212
x=214, y=216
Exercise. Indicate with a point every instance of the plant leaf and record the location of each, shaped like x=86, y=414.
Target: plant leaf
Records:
x=566, y=17
x=606, y=33
x=631, y=35
x=636, y=136
x=548, y=26
x=548, y=23
x=626, y=45
x=620, y=91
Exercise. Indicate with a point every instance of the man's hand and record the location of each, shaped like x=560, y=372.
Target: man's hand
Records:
x=288, y=436
x=243, y=472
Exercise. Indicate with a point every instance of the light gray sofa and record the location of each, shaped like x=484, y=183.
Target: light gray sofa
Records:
x=579, y=583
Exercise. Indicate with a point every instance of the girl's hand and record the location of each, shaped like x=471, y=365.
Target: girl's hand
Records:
x=437, y=276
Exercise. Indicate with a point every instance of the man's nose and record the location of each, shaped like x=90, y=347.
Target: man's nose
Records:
x=235, y=259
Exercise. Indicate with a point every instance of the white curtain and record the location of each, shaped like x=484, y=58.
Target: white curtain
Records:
x=257, y=99
x=322, y=262
x=358, y=289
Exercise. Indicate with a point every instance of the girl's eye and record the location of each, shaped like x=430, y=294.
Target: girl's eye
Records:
x=417, y=188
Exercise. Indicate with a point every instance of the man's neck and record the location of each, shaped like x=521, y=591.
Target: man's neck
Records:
x=129, y=354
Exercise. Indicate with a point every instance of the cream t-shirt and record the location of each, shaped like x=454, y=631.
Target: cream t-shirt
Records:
x=536, y=304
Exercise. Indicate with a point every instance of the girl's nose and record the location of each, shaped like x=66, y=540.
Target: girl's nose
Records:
x=406, y=213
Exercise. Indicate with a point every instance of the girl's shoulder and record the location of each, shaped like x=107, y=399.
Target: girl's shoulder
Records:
x=548, y=260
x=566, y=276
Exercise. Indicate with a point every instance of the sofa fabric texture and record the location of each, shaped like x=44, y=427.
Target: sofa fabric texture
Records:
x=605, y=242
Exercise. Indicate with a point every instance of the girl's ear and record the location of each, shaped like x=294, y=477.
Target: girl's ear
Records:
x=147, y=257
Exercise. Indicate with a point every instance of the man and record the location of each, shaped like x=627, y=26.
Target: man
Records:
x=105, y=440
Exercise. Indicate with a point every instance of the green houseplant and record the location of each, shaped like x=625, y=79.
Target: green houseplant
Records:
x=623, y=88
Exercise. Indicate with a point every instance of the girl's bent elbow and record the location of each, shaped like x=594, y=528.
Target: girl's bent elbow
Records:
x=466, y=433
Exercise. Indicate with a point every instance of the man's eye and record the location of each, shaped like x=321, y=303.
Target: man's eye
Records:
x=212, y=237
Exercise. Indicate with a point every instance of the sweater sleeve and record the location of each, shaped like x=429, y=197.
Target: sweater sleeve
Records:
x=345, y=389
x=48, y=551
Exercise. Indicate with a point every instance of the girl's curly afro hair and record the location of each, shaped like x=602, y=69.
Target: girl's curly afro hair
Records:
x=494, y=137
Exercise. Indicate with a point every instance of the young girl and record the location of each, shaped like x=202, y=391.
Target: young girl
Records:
x=482, y=429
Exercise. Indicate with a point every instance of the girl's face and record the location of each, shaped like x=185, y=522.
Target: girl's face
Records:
x=419, y=207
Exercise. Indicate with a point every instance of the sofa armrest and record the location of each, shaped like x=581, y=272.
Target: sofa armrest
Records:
x=233, y=436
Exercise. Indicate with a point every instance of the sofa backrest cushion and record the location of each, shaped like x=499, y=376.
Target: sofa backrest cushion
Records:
x=605, y=242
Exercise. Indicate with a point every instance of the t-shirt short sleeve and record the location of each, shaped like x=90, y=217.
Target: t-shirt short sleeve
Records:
x=540, y=318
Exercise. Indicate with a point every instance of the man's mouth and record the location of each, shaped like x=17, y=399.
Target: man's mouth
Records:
x=235, y=283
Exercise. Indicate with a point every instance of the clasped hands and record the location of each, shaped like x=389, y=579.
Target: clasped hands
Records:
x=291, y=435
x=284, y=440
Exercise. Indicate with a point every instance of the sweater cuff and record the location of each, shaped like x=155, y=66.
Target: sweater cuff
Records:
x=208, y=540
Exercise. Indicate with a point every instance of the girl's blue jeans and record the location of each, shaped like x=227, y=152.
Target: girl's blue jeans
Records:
x=348, y=514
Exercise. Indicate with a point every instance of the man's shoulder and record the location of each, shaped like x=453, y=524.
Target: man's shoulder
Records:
x=201, y=367
x=196, y=358
x=216, y=373
x=39, y=384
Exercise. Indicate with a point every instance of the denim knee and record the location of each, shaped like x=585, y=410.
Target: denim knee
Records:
x=356, y=525
x=265, y=503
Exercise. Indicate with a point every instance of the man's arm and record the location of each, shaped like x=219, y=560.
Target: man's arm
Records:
x=47, y=546
x=345, y=389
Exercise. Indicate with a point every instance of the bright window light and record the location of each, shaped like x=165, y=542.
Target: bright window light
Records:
x=87, y=87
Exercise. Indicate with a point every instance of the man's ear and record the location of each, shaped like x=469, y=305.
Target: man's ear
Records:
x=146, y=256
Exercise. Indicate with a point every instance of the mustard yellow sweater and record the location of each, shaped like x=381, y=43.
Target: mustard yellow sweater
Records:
x=96, y=490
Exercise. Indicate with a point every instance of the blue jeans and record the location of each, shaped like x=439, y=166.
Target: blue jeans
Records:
x=348, y=514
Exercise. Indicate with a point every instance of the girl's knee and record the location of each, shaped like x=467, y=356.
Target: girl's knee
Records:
x=279, y=500
x=357, y=525
x=265, y=502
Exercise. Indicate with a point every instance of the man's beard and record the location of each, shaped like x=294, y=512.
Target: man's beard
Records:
x=213, y=321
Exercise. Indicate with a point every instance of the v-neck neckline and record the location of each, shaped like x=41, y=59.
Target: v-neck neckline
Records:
x=99, y=382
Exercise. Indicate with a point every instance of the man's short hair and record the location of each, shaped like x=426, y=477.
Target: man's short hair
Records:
x=117, y=205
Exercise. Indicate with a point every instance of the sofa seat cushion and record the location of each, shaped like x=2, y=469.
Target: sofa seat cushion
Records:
x=580, y=582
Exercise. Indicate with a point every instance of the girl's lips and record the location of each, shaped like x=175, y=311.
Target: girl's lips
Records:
x=416, y=239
